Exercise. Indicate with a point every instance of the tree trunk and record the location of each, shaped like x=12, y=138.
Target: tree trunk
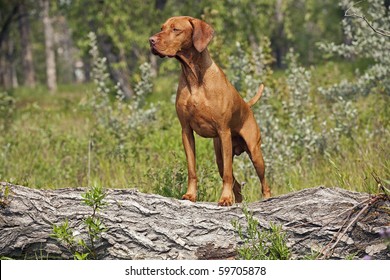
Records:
x=8, y=77
x=27, y=56
x=160, y=4
x=51, y=76
x=337, y=222
x=7, y=20
x=278, y=38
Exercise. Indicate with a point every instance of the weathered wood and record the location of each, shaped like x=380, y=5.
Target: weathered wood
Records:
x=147, y=226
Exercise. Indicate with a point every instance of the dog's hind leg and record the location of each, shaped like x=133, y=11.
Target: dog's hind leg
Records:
x=251, y=135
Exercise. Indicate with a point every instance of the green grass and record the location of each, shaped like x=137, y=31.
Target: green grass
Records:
x=46, y=145
x=260, y=243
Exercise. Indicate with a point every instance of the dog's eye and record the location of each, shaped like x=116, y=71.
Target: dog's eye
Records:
x=176, y=30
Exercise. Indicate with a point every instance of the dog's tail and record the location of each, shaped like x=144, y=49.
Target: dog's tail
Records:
x=257, y=96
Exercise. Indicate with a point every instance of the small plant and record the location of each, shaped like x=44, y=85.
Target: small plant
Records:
x=82, y=249
x=261, y=244
x=4, y=196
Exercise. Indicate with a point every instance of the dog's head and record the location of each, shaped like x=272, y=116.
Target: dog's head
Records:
x=179, y=34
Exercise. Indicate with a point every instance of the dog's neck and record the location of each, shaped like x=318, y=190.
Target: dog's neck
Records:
x=194, y=65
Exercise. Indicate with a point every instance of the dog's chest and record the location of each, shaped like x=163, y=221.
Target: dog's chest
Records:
x=197, y=111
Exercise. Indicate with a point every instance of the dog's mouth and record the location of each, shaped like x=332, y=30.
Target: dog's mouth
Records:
x=156, y=52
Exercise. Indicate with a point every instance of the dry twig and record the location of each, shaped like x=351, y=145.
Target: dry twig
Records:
x=328, y=249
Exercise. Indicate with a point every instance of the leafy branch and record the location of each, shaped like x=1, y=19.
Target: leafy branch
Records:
x=351, y=13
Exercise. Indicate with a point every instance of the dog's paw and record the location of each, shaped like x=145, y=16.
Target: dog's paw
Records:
x=225, y=201
x=189, y=196
x=266, y=195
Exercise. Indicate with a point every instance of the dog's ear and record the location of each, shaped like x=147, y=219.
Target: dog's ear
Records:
x=202, y=34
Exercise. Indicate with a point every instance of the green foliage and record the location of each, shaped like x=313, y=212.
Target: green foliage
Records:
x=248, y=68
x=364, y=43
x=170, y=181
x=64, y=233
x=82, y=249
x=113, y=112
x=261, y=244
x=121, y=25
x=94, y=199
x=375, y=79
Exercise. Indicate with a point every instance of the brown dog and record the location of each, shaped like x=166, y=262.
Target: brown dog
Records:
x=207, y=103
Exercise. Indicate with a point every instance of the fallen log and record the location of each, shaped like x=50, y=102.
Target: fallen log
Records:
x=332, y=221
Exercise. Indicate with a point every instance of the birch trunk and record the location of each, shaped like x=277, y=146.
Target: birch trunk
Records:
x=27, y=56
x=51, y=76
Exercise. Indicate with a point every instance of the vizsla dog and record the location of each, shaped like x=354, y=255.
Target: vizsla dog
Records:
x=207, y=103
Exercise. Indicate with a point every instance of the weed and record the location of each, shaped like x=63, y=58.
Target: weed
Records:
x=82, y=249
x=170, y=181
x=259, y=244
x=5, y=196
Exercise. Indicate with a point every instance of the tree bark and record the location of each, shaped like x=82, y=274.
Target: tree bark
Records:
x=7, y=22
x=8, y=78
x=278, y=38
x=65, y=50
x=147, y=226
x=51, y=76
x=27, y=56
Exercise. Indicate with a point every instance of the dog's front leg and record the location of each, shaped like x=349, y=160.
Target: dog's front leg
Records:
x=227, y=155
x=189, y=148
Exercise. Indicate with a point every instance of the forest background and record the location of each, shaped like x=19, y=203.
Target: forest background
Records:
x=83, y=102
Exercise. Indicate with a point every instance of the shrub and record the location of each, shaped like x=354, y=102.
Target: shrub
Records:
x=363, y=43
x=114, y=114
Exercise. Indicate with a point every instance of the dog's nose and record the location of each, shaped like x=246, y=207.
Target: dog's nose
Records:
x=152, y=40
